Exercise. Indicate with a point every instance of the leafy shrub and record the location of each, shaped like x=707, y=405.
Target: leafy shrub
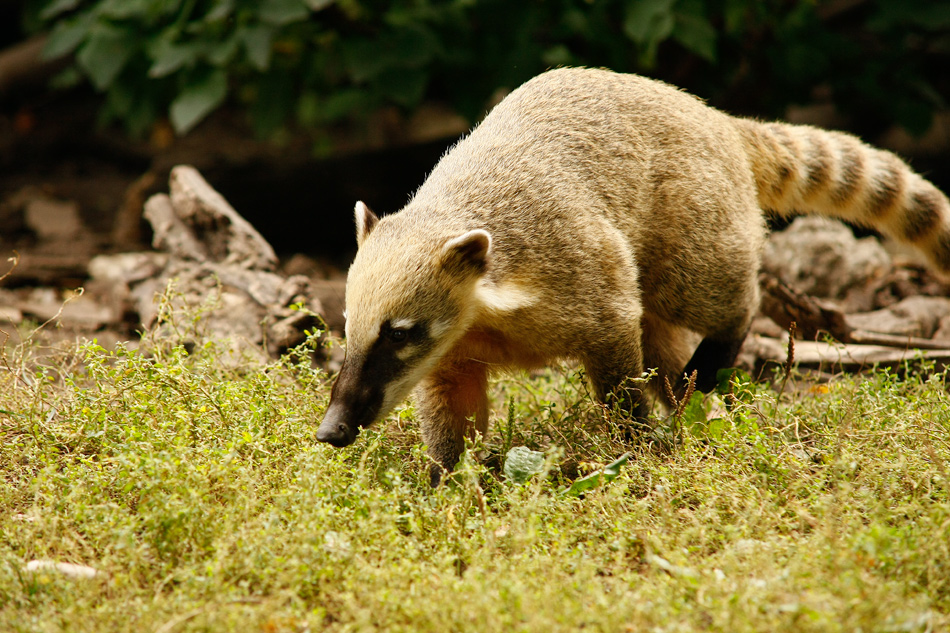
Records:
x=314, y=62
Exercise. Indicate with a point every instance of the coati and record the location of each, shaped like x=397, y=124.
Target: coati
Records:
x=603, y=217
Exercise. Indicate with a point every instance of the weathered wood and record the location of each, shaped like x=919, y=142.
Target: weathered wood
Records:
x=23, y=63
x=840, y=356
x=895, y=341
x=228, y=237
x=812, y=317
x=170, y=234
x=220, y=262
x=815, y=318
x=50, y=269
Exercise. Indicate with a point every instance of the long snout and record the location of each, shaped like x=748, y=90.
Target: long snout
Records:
x=355, y=402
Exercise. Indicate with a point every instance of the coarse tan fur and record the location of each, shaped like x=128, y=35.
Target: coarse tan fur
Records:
x=601, y=217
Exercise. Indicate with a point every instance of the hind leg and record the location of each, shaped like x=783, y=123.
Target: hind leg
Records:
x=711, y=356
x=719, y=349
x=445, y=402
x=667, y=349
x=613, y=364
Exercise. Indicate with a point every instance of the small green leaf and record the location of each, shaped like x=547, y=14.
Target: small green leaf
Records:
x=222, y=53
x=69, y=77
x=612, y=469
x=696, y=34
x=342, y=103
x=57, y=7
x=648, y=21
x=727, y=376
x=583, y=484
x=272, y=106
x=169, y=57
x=558, y=55
x=694, y=412
x=412, y=46
x=257, y=42
x=715, y=428
x=281, y=12
x=608, y=474
x=198, y=100
x=139, y=115
x=67, y=35
x=362, y=59
x=522, y=463
x=106, y=53
x=140, y=10
x=308, y=110
x=404, y=86
x=220, y=10
x=120, y=99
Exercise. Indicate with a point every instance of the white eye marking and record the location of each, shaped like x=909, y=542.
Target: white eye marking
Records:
x=404, y=353
x=402, y=324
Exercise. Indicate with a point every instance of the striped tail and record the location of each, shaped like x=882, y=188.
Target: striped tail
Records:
x=803, y=169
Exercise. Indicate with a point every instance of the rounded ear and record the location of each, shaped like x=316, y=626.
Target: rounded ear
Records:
x=365, y=222
x=469, y=249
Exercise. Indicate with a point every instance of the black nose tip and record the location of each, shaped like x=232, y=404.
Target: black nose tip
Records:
x=335, y=434
x=334, y=430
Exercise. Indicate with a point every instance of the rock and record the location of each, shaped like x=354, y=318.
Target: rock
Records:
x=300, y=264
x=54, y=244
x=10, y=314
x=70, y=570
x=127, y=268
x=85, y=312
x=943, y=330
x=914, y=316
x=331, y=295
x=767, y=327
x=53, y=219
x=74, y=309
x=822, y=258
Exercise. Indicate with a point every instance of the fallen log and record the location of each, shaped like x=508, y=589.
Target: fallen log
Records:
x=24, y=64
x=840, y=356
x=815, y=318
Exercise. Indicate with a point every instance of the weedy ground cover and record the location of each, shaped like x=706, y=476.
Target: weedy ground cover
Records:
x=189, y=477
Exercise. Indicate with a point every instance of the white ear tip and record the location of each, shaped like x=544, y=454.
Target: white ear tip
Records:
x=360, y=207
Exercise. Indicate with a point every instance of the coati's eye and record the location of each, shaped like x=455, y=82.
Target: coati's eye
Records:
x=398, y=335
x=397, y=332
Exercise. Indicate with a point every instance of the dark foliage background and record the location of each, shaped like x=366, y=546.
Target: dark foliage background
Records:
x=308, y=63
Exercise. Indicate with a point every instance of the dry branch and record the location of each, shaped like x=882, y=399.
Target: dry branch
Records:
x=842, y=357
x=23, y=63
x=815, y=318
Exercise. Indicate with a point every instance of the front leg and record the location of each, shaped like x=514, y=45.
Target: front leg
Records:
x=445, y=402
x=613, y=366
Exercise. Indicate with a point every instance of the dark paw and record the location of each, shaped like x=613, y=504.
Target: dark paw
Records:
x=435, y=475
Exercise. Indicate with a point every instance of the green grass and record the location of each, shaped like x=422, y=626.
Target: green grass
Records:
x=193, y=481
